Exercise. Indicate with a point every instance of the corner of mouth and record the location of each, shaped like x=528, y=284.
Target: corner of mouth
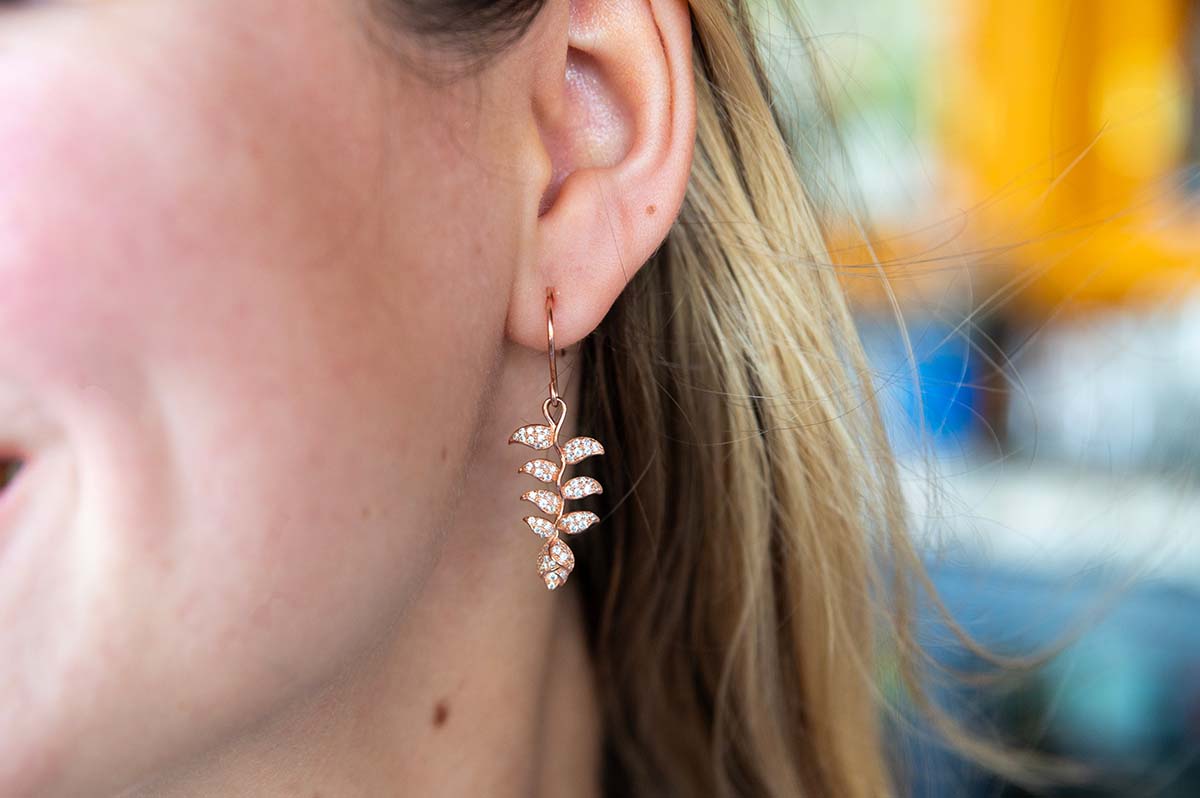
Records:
x=10, y=466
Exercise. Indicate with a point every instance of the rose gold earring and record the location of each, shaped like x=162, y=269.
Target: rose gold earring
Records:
x=556, y=560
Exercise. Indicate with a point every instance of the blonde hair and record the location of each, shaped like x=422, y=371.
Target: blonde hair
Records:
x=758, y=570
x=733, y=597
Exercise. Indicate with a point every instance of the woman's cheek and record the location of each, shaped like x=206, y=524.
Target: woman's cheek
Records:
x=90, y=223
x=241, y=380
x=157, y=299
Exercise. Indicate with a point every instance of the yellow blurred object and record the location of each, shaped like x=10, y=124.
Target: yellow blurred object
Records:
x=1070, y=121
x=1066, y=128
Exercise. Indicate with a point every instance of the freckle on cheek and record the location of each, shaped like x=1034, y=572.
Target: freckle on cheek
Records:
x=440, y=713
x=650, y=209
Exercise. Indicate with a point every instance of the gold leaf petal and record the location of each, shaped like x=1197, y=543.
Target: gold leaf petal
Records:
x=555, y=579
x=555, y=563
x=579, y=487
x=556, y=554
x=536, y=436
x=578, y=448
x=574, y=523
x=545, y=470
x=547, y=500
x=540, y=525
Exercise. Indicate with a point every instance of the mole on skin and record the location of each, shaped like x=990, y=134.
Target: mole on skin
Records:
x=440, y=713
x=650, y=209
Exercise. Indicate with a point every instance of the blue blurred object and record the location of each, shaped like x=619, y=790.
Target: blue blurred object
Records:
x=947, y=372
x=1123, y=698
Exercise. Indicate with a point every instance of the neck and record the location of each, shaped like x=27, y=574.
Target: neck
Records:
x=484, y=686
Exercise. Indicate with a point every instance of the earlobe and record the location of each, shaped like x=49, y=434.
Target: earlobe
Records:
x=616, y=121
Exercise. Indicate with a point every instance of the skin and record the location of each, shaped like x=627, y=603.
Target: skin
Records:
x=270, y=305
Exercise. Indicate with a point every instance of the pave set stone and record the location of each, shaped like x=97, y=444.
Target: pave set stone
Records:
x=555, y=563
x=579, y=487
x=547, y=500
x=574, y=523
x=578, y=448
x=537, y=436
x=544, y=527
x=545, y=470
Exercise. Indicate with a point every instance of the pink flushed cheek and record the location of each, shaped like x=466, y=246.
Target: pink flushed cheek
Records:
x=66, y=276
x=99, y=249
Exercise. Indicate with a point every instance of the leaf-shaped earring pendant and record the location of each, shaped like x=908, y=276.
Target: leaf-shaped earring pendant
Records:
x=555, y=560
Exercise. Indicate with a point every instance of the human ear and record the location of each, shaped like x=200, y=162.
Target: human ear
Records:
x=614, y=107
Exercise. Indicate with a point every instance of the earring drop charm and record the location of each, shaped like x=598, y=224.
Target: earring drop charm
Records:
x=555, y=561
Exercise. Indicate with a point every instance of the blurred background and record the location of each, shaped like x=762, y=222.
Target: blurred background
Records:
x=1029, y=169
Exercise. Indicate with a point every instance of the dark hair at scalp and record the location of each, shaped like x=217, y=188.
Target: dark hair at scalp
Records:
x=470, y=32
